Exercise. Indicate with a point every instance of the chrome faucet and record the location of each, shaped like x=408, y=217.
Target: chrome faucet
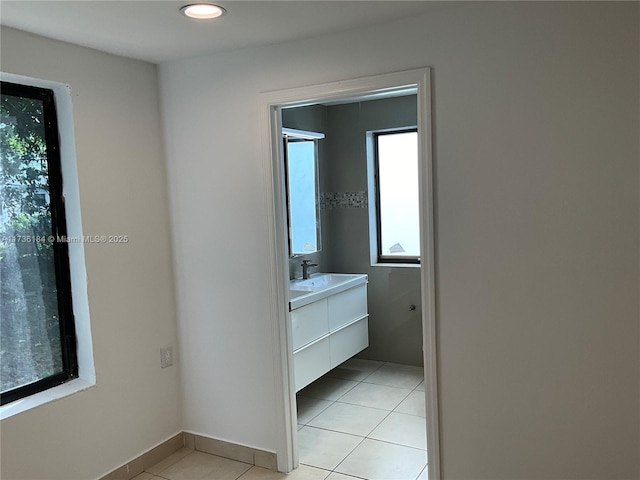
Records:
x=306, y=264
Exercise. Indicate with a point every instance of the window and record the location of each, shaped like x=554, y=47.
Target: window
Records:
x=301, y=177
x=394, y=174
x=37, y=342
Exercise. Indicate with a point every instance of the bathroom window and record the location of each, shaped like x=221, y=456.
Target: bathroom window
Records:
x=38, y=342
x=394, y=214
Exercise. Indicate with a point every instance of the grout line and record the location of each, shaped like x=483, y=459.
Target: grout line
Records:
x=245, y=472
x=398, y=444
x=335, y=431
x=373, y=371
x=425, y=467
x=379, y=423
x=347, y=455
x=411, y=389
x=170, y=464
x=332, y=402
x=363, y=406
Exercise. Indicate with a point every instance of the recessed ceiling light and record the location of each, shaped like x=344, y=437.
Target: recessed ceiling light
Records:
x=203, y=11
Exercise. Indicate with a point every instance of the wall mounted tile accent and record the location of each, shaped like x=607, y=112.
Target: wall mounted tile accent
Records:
x=331, y=200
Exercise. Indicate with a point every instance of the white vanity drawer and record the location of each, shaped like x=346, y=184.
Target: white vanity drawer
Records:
x=347, y=306
x=309, y=323
x=311, y=362
x=348, y=341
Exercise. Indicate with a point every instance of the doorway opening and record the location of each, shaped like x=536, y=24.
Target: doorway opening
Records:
x=308, y=110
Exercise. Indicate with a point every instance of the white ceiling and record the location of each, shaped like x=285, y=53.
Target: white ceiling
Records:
x=155, y=31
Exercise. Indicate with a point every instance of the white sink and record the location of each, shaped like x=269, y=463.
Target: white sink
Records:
x=297, y=293
x=321, y=285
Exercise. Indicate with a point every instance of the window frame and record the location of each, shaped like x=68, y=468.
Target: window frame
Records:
x=60, y=249
x=381, y=258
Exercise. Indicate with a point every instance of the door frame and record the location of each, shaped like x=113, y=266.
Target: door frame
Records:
x=271, y=104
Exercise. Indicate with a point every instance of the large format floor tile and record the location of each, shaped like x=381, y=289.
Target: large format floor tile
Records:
x=309, y=407
x=146, y=476
x=423, y=475
x=376, y=460
x=402, y=429
x=324, y=448
x=170, y=460
x=341, y=476
x=202, y=466
x=347, y=418
x=328, y=388
x=393, y=375
x=363, y=420
x=414, y=404
x=303, y=472
x=375, y=396
x=355, y=369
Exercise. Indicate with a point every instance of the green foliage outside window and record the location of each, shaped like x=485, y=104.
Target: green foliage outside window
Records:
x=30, y=344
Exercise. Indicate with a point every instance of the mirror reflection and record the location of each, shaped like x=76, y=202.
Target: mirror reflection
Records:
x=301, y=160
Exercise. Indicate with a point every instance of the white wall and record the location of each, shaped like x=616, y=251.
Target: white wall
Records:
x=536, y=153
x=134, y=405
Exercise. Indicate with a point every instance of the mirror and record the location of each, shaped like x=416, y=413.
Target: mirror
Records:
x=303, y=205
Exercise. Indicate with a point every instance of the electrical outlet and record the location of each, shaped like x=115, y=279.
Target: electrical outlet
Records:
x=166, y=356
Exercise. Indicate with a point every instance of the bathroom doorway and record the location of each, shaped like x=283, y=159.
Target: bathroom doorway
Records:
x=362, y=107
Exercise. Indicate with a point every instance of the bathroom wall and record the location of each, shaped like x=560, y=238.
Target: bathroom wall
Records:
x=395, y=331
x=535, y=110
x=121, y=172
x=312, y=118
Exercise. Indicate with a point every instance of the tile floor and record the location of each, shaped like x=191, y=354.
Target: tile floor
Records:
x=365, y=419
x=362, y=420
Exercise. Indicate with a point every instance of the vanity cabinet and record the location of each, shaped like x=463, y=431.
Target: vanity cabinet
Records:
x=327, y=332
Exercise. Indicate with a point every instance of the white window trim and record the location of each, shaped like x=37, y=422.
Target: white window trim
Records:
x=372, y=203
x=71, y=192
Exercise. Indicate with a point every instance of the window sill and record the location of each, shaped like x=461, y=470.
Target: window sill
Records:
x=51, y=395
x=396, y=265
